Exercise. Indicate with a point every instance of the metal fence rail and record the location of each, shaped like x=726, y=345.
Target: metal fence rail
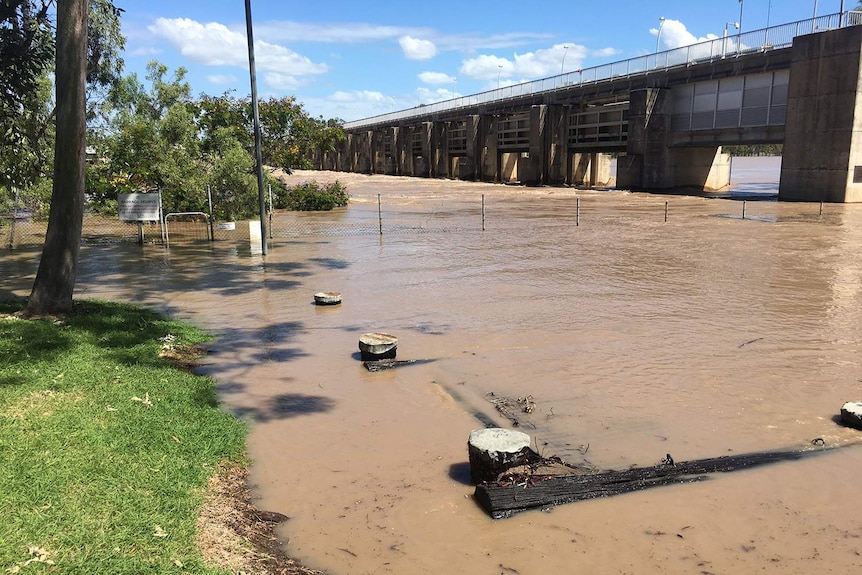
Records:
x=725, y=47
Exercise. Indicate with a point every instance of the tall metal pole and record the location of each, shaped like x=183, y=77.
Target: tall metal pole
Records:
x=258, y=155
x=563, y=63
x=658, y=36
x=739, y=34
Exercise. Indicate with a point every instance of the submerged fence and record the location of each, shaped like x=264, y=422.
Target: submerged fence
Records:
x=359, y=218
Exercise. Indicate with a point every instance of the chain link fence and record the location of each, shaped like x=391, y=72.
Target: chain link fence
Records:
x=362, y=217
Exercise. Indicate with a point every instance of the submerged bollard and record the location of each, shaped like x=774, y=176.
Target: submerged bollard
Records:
x=821, y=208
x=743, y=209
x=665, y=212
x=376, y=345
x=577, y=212
x=493, y=451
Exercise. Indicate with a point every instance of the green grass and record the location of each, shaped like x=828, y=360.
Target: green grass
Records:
x=99, y=481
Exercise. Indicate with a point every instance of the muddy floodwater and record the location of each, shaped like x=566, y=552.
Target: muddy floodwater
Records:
x=635, y=337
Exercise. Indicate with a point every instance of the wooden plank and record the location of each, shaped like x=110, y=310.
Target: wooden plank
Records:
x=503, y=499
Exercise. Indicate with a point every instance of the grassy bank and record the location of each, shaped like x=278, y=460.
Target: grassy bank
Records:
x=106, y=445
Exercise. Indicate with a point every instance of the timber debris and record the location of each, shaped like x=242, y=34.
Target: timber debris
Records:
x=524, y=488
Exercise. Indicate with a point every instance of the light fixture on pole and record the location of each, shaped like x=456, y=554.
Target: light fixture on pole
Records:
x=658, y=36
x=724, y=37
x=499, y=71
x=454, y=85
x=739, y=33
x=254, y=108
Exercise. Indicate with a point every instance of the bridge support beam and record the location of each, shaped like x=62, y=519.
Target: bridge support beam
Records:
x=558, y=144
x=822, y=158
x=489, y=162
x=422, y=164
x=534, y=172
x=467, y=168
x=651, y=164
x=440, y=150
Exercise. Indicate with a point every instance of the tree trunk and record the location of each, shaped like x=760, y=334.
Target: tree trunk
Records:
x=55, y=280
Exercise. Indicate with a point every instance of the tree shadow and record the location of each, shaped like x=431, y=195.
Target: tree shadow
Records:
x=286, y=406
x=331, y=263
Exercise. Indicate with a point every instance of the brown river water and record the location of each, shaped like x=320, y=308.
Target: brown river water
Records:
x=701, y=336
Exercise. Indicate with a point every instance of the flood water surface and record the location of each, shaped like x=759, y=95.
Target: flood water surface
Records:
x=635, y=337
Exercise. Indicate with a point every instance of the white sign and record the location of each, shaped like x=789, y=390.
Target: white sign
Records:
x=138, y=207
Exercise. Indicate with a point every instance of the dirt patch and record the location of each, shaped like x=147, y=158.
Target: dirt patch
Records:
x=233, y=534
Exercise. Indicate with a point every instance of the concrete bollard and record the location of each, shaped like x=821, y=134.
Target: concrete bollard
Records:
x=327, y=298
x=374, y=346
x=493, y=451
x=851, y=414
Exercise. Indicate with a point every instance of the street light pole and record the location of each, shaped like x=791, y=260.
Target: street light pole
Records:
x=254, y=107
x=739, y=33
x=499, y=71
x=658, y=36
x=563, y=63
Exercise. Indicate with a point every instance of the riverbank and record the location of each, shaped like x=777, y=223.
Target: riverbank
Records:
x=116, y=457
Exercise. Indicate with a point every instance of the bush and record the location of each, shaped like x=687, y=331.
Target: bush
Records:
x=311, y=196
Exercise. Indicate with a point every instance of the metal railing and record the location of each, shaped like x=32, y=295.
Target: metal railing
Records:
x=714, y=49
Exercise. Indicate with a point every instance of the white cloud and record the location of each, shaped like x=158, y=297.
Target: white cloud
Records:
x=332, y=33
x=538, y=64
x=214, y=44
x=356, y=104
x=416, y=49
x=674, y=34
x=144, y=52
x=221, y=79
x=426, y=96
x=436, y=78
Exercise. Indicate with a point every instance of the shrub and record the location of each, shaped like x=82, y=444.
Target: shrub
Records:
x=312, y=196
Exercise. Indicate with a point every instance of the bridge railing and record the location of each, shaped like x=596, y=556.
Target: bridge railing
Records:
x=729, y=46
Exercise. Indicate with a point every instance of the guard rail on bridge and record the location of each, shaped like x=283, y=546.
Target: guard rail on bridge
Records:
x=718, y=48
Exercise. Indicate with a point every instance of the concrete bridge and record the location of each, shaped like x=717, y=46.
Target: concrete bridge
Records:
x=666, y=114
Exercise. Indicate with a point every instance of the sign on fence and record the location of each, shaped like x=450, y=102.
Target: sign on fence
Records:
x=139, y=207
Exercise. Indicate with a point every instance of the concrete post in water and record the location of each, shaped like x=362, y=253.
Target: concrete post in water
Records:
x=376, y=345
x=493, y=451
x=851, y=414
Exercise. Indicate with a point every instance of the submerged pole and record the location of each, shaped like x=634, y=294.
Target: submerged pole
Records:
x=255, y=112
x=483, y=212
x=379, y=214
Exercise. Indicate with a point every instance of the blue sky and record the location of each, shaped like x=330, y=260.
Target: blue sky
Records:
x=356, y=59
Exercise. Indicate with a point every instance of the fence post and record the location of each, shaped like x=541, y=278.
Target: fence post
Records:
x=483, y=212
x=270, y=211
x=12, y=224
x=212, y=223
x=379, y=214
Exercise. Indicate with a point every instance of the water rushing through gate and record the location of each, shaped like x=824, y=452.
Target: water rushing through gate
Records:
x=702, y=336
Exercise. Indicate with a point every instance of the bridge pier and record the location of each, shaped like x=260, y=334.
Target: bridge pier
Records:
x=652, y=163
x=822, y=158
x=489, y=161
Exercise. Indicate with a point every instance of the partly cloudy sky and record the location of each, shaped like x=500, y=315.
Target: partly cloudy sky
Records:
x=352, y=60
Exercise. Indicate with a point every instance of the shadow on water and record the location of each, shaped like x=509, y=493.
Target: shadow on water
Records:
x=331, y=263
x=460, y=472
x=286, y=406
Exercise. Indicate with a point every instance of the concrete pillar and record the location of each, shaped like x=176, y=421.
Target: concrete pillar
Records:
x=440, y=150
x=651, y=164
x=489, y=157
x=422, y=165
x=822, y=158
x=533, y=172
x=405, y=152
x=558, y=144
x=397, y=145
x=467, y=170
x=376, y=152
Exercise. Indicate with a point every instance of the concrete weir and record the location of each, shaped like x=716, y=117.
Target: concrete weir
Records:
x=665, y=115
